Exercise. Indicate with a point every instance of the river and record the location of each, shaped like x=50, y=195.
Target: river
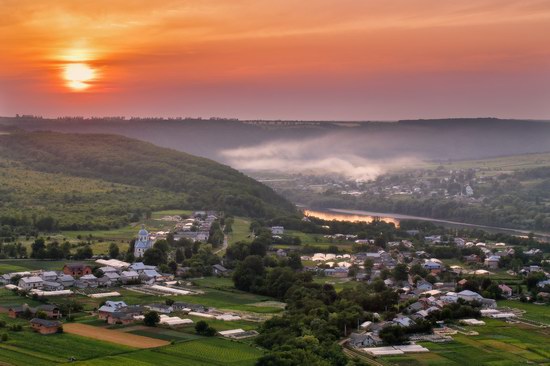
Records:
x=369, y=216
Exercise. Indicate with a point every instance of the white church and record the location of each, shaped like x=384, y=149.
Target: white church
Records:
x=143, y=242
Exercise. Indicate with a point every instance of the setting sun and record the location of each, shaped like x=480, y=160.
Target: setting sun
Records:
x=78, y=76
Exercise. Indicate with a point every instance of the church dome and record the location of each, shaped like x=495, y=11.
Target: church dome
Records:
x=143, y=232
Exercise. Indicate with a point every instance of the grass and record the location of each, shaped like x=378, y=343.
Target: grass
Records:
x=241, y=230
x=19, y=265
x=30, y=348
x=498, y=344
x=201, y=352
x=538, y=313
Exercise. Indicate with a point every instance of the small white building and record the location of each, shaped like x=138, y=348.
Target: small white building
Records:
x=277, y=230
x=32, y=282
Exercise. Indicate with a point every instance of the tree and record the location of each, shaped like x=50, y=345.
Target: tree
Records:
x=249, y=273
x=180, y=255
x=151, y=319
x=154, y=257
x=400, y=272
x=114, y=251
x=202, y=328
x=84, y=252
x=393, y=334
x=38, y=249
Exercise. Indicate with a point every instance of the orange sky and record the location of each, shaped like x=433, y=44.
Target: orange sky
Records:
x=310, y=59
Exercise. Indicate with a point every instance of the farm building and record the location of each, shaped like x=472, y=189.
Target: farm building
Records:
x=44, y=326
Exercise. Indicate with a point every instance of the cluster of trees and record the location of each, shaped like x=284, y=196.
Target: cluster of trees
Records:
x=121, y=160
x=54, y=250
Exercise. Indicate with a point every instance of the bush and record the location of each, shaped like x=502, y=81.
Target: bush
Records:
x=2, y=323
x=4, y=337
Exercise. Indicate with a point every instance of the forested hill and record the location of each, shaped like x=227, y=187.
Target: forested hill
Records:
x=204, y=183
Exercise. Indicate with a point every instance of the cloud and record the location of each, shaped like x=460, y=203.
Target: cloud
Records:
x=316, y=156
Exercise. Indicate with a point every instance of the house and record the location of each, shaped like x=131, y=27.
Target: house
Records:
x=29, y=283
x=52, y=286
x=149, y=275
x=51, y=311
x=415, y=307
x=432, y=266
x=472, y=258
x=506, y=290
x=44, y=326
x=139, y=267
x=142, y=243
x=108, y=269
x=160, y=308
x=77, y=269
x=120, y=318
x=90, y=280
x=360, y=340
x=468, y=295
x=127, y=276
x=219, y=270
x=49, y=276
x=424, y=285
x=112, y=276
x=339, y=272
x=277, y=230
x=109, y=308
x=492, y=262
x=403, y=321
x=65, y=280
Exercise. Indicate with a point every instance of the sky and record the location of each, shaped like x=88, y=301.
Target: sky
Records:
x=276, y=59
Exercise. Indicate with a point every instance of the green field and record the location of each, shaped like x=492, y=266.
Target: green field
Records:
x=21, y=265
x=496, y=165
x=241, y=230
x=202, y=352
x=537, y=313
x=498, y=344
x=29, y=348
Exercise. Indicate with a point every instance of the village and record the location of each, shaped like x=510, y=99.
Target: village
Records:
x=457, y=293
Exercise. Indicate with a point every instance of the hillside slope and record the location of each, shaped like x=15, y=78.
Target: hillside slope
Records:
x=142, y=168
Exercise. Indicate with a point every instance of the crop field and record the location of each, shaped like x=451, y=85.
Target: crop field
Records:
x=29, y=348
x=201, y=352
x=113, y=336
x=537, y=313
x=498, y=343
x=497, y=165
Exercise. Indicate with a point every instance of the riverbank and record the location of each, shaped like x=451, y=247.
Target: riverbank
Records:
x=359, y=215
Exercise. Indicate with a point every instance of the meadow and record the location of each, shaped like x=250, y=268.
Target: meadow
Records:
x=201, y=352
x=537, y=313
x=498, y=344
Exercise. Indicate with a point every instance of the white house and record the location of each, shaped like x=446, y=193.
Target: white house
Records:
x=468, y=295
x=277, y=230
x=29, y=283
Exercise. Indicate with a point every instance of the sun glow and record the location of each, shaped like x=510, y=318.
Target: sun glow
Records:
x=78, y=76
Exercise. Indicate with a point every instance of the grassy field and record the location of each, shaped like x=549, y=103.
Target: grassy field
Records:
x=20, y=265
x=497, y=165
x=201, y=352
x=498, y=344
x=241, y=230
x=538, y=313
x=29, y=348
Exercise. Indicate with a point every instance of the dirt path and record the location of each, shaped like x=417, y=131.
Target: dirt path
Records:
x=113, y=336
